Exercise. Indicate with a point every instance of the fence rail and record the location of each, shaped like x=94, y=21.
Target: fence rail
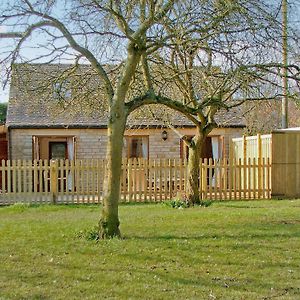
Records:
x=82, y=181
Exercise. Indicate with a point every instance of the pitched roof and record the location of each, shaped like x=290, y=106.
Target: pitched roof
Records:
x=33, y=102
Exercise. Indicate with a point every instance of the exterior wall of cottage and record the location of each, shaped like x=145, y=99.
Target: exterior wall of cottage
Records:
x=91, y=143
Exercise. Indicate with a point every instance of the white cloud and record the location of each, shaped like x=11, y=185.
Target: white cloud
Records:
x=4, y=94
x=3, y=28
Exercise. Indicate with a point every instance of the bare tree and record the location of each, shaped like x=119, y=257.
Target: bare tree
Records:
x=231, y=56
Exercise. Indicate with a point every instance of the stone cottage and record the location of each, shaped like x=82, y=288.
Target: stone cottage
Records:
x=49, y=117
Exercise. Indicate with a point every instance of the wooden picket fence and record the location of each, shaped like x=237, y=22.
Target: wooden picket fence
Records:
x=154, y=180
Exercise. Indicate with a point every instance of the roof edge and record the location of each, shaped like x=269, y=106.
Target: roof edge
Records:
x=95, y=126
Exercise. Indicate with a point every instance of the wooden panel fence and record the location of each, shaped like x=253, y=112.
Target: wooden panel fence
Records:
x=82, y=181
x=257, y=146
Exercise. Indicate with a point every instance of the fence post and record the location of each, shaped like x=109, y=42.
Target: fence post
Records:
x=244, y=163
x=259, y=164
x=53, y=180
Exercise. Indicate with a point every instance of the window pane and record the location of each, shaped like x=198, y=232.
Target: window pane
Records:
x=137, y=147
x=58, y=150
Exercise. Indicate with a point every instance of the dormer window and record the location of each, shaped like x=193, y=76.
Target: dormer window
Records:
x=62, y=90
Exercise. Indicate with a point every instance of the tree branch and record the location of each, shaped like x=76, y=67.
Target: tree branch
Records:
x=73, y=44
x=150, y=98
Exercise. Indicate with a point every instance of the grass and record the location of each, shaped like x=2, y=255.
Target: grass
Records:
x=229, y=250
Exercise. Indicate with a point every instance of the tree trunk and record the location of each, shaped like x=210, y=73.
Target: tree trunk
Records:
x=195, y=149
x=109, y=221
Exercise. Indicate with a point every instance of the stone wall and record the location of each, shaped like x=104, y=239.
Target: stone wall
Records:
x=91, y=143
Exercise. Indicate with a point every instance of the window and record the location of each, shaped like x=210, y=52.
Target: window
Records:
x=212, y=148
x=58, y=150
x=62, y=90
x=137, y=146
x=54, y=147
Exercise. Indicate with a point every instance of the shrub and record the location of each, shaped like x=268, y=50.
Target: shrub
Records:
x=177, y=203
x=91, y=234
x=182, y=203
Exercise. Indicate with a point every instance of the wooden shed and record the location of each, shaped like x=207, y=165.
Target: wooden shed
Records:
x=286, y=163
x=282, y=147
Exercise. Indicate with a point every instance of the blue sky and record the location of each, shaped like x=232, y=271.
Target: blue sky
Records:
x=3, y=93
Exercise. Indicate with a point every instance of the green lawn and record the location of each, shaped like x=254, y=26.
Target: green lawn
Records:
x=230, y=250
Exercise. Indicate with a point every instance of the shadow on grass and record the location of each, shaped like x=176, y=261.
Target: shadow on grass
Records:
x=21, y=206
x=247, y=236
